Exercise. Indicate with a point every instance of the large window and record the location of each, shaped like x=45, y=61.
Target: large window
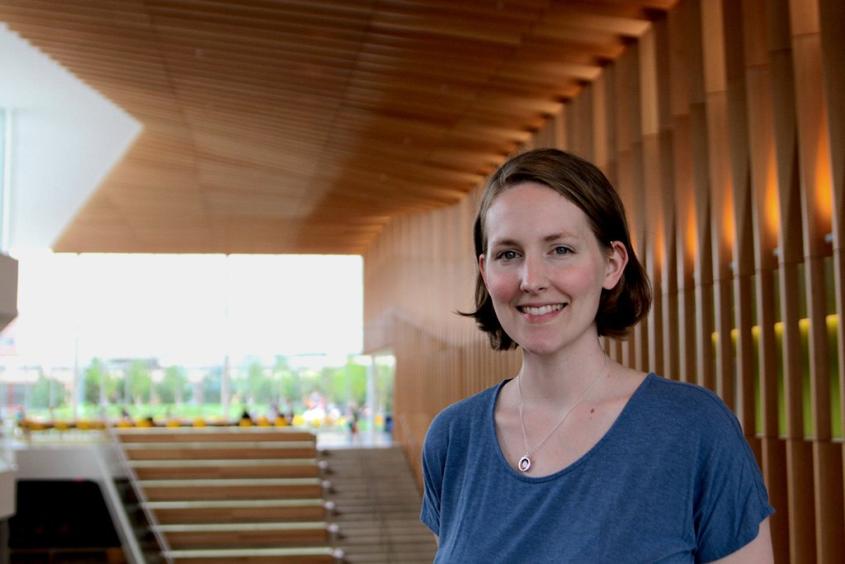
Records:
x=5, y=153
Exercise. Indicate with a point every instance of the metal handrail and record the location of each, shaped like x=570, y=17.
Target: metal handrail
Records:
x=141, y=497
x=121, y=520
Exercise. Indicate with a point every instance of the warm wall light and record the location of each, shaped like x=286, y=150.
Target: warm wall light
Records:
x=823, y=197
x=771, y=211
x=728, y=220
x=659, y=250
x=691, y=236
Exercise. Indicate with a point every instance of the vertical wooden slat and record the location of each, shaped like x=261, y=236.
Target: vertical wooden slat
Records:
x=654, y=187
x=625, y=94
x=600, y=124
x=701, y=187
x=743, y=248
x=721, y=189
x=682, y=176
x=798, y=453
x=816, y=209
x=560, y=139
x=667, y=193
x=766, y=218
x=634, y=187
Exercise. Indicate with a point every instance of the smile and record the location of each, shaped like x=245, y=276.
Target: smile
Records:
x=540, y=310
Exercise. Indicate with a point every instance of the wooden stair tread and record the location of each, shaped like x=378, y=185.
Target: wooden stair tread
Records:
x=211, y=433
x=235, y=503
x=232, y=527
x=226, y=482
x=220, y=444
x=170, y=463
x=241, y=552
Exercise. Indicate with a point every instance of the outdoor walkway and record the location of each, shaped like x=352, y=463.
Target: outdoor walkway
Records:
x=344, y=439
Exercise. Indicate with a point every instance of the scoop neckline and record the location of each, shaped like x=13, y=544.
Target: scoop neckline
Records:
x=491, y=421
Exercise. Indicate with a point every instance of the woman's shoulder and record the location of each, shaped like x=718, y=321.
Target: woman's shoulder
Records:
x=689, y=405
x=459, y=418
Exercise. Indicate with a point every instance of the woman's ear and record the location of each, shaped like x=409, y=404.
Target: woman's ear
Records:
x=482, y=263
x=617, y=259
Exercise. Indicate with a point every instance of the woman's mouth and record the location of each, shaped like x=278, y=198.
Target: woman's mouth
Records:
x=539, y=310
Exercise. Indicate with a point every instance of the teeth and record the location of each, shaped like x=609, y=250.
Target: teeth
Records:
x=542, y=310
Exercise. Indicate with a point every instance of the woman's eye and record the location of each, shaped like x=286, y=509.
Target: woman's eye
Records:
x=560, y=250
x=507, y=255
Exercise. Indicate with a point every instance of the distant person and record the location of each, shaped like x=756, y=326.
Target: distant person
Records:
x=354, y=417
x=245, y=419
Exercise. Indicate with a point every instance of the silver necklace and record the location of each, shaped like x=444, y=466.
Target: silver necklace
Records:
x=525, y=462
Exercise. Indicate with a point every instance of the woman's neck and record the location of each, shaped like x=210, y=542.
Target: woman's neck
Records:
x=561, y=378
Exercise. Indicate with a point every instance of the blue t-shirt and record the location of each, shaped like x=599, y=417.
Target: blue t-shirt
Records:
x=673, y=480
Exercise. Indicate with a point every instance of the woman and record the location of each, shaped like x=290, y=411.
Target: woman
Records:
x=578, y=458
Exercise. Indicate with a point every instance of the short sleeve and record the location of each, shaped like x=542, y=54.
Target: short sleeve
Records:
x=731, y=498
x=433, y=459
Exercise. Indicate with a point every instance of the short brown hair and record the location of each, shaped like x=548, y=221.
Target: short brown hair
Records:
x=583, y=184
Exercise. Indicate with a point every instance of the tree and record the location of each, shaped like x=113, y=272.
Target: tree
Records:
x=290, y=385
x=139, y=381
x=174, y=386
x=47, y=392
x=257, y=387
x=100, y=387
x=346, y=384
x=211, y=384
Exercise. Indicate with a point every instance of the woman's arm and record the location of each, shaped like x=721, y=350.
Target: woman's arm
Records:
x=757, y=551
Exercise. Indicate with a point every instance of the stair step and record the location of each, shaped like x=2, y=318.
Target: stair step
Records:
x=299, y=555
x=225, y=434
x=251, y=468
x=234, y=535
x=227, y=511
x=233, y=489
x=221, y=450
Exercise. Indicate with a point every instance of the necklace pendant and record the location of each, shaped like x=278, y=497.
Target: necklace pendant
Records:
x=524, y=464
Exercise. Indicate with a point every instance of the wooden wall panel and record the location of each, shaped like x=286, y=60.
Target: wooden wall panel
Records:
x=722, y=128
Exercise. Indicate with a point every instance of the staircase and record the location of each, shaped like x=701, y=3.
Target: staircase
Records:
x=378, y=504
x=212, y=492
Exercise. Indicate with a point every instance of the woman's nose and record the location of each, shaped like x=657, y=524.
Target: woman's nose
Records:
x=534, y=277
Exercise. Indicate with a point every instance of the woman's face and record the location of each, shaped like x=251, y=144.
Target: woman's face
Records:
x=544, y=268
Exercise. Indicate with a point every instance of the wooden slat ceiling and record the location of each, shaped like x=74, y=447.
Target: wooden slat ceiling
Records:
x=303, y=126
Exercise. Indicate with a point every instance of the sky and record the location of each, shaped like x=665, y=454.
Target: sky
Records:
x=189, y=310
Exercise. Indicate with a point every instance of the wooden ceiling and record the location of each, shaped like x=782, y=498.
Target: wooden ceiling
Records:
x=304, y=126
